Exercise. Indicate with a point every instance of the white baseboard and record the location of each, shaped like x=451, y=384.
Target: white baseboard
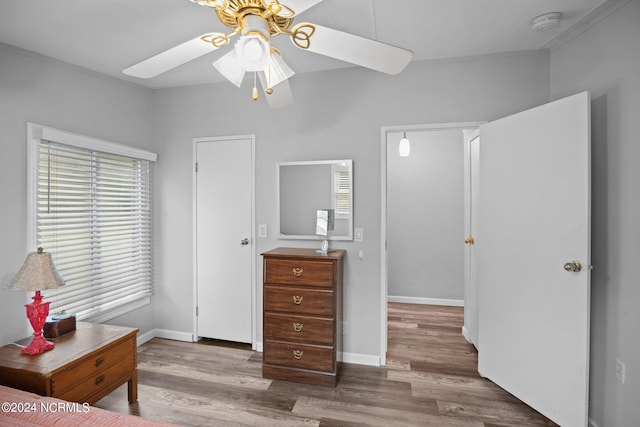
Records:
x=143, y=338
x=165, y=333
x=359, y=359
x=465, y=334
x=426, y=301
x=259, y=347
x=174, y=335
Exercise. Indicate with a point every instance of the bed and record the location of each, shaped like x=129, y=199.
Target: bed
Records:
x=24, y=409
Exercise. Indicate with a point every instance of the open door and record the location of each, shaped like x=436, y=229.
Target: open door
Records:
x=471, y=190
x=533, y=242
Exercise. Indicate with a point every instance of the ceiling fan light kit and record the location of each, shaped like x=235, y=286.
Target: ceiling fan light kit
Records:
x=229, y=66
x=253, y=53
x=257, y=21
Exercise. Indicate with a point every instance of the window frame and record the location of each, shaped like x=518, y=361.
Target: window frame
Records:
x=37, y=133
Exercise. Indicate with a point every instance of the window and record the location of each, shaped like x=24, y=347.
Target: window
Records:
x=341, y=185
x=92, y=210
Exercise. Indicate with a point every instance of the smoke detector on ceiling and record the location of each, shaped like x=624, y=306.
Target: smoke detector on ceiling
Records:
x=547, y=21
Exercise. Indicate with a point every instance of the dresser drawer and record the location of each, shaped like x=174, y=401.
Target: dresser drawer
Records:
x=93, y=366
x=299, y=328
x=299, y=300
x=299, y=272
x=96, y=382
x=305, y=356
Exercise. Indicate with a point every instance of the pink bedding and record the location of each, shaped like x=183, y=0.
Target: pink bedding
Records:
x=22, y=409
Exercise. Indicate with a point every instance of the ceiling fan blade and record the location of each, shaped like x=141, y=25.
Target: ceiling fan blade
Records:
x=170, y=59
x=280, y=97
x=356, y=50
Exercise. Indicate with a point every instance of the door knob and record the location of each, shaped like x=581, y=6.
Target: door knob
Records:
x=244, y=242
x=573, y=266
x=469, y=240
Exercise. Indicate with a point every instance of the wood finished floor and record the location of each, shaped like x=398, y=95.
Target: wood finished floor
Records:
x=430, y=380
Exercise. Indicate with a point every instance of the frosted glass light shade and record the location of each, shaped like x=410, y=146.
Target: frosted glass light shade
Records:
x=253, y=52
x=230, y=67
x=404, y=149
x=277, y=72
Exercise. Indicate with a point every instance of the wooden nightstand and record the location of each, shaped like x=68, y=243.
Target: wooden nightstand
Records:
x=85, y=365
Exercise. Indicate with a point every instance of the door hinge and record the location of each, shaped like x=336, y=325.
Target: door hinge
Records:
x=196, y=167
x=196, y=310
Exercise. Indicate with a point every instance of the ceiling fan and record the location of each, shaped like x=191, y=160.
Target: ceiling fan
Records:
x=257, y=21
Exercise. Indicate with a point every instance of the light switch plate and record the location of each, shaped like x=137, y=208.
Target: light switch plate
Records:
x=262, y=230
x=358, y=235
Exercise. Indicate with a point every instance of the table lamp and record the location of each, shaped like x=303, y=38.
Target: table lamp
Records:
x=37, y=274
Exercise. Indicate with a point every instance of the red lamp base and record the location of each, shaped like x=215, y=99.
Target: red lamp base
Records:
x=37, y=313
x=38, y=345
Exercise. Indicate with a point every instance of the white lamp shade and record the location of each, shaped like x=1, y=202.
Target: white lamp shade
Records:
x=404, y=149
x=37, y=273
x=253, y=52
x=277, y=72
x=229, y=66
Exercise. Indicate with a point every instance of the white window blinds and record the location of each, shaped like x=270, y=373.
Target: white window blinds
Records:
x=93, y=213
x=341, y=191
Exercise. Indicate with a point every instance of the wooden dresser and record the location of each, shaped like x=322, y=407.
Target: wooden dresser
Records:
x=302, y=316
x=84, y=366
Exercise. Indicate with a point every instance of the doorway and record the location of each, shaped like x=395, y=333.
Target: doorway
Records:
x=224, y=249
x=436, y=277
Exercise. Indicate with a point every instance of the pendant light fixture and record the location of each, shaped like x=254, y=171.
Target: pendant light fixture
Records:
x=405, y=146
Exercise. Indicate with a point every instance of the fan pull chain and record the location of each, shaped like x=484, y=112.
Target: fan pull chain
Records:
x=254, y=95
x=269, y=89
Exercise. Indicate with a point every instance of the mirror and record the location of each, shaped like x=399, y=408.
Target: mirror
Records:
x=306, y=187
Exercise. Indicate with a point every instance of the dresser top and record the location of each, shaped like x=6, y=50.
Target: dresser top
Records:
x=85, y=339
x=304, y=252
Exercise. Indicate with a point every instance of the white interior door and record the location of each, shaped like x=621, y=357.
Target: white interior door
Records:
x=534, y=216
x=472, y=190
x=224, y=238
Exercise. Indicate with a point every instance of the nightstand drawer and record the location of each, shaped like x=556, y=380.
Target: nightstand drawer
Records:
x=299, y=328
x=94, y=366
x=315, y=357
x=299, y=272
x=299, y=300
x=97, y=381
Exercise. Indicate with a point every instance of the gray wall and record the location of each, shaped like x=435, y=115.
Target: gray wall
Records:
x=42, y=91
x=606, y=60
x=337, y=115
x=425, y=216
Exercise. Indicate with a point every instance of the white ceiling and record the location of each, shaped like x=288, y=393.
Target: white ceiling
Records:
x=108, y=36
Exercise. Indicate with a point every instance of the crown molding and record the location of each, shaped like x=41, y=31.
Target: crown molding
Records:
x=587, y=21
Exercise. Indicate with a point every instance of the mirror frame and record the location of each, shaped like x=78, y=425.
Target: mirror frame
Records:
x=281, y=236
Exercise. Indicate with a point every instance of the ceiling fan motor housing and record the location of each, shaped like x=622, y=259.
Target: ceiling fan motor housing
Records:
x=235, y=14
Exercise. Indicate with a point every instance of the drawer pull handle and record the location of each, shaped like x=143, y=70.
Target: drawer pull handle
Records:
x=297, y=272
x=99, y=361
x=99, y=379
x=297, y=299
x=297, y=354
x=298, y=326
